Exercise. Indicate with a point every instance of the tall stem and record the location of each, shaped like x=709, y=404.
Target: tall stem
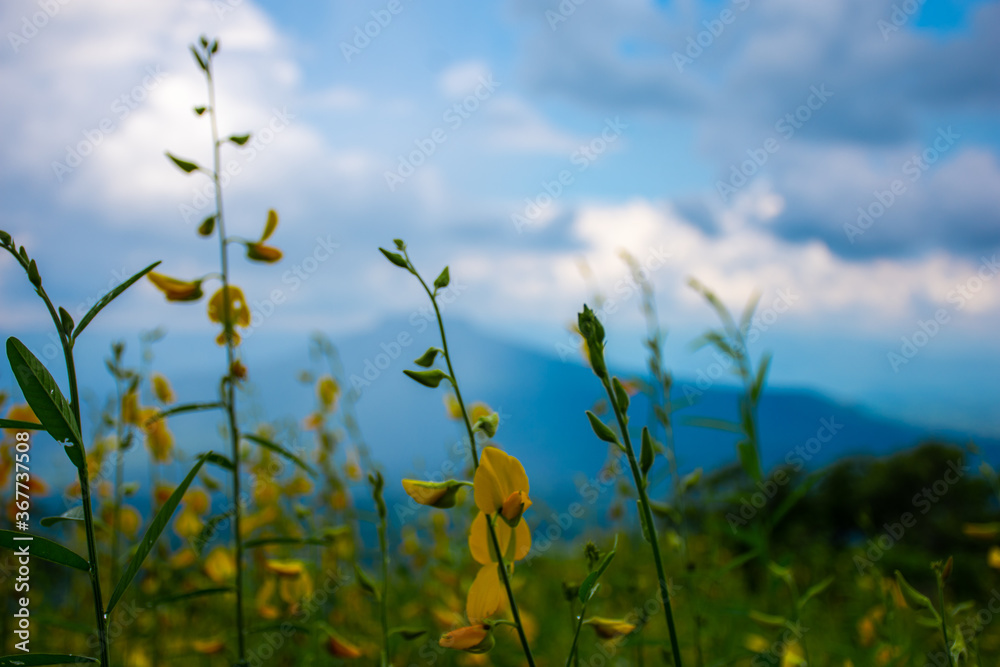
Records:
x=647, y=518
x=383, y=602
x=475, y=462
x=229, y=397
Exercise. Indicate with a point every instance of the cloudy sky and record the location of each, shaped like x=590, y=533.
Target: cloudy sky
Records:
x=838, y=156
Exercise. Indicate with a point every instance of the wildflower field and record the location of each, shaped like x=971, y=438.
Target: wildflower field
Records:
x=264, y=539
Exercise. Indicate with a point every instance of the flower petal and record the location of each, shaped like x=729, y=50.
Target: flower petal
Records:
x=485, y=596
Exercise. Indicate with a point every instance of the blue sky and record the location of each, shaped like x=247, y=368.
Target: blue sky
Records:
x=732, y=141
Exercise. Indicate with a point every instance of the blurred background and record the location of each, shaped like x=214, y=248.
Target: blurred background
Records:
x=838, y=157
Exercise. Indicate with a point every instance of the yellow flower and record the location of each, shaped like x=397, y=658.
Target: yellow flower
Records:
x=263, y=253
x=341, y=648
x=238, y=314
x=131, y=412
x=472, y=639
x=435, y=494
x=162, y=389
x=327, y=390
x=993, y=559
x=501, y=485
x=793, y=656
x=130, y=520
x=188, y=524
x=220, y=566
x=756, y=644
x=176, y=290
x=159, y=439
x=451, y=407
x=208, y=646
x=609, y=628
x=285, y=568
x=486, y=593
x=182, y=559
x=197, y=501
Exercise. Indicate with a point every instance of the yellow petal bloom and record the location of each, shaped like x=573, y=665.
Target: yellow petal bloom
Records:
x=237, y=316
x=341, y=648
x=220, y=566
x=514, y=507
x=208, y=646
x=499, y=475
x=993, y=560
x=259, y=252
x=162, y=389
x=176, y=290
x=22, y=413
x=159, y=439
x=285, y=568
x=515, y=543
x=473, y=639
x=486, y=594
x=609, y=628
x=434, y=494
x=327, y=390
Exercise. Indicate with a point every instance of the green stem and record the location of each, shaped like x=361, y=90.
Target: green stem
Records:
x=944, y=623
x=229, y=397
x=383, y=602
x=119, y=474
x=647, y=517
x=475, y=459
x=576, y=638
x=88, y=514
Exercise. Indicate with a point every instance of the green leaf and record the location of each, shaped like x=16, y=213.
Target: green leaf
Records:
x=207, y=226
x=691, y=480
x=184, y=407
x=181, y=597
x=647, y=454
x=72, y=514
x=268, y=541
x=66, y=321
x=270, y=225
x=109, y=297
x=814, y=590
x=45, y=399
x=43, y=548
x=17, y=425
x=713, y=423
x=365, y=581
x=768, y=619
x=408, y=634
x=198, y=58
x=281, y=451
x=431, y=378
x=758, y=383
x=239, y=139
x=749, y=459
x=395, y=258
x=794, y=497
x=442, y=280
x=426, y=360
x=913, y=597
x=749, y=310
x=45, y=659
x=199, y=110
x=159, y=522
x=588, y=586
x=223, y=462
x=183, y=165
x=602, y=430
x=620, y=395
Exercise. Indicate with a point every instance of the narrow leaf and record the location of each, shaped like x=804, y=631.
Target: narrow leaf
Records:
x=281, y=451
x=395, y=258
x=365, y=581
x=72, y=514
x=620, y=394
x=646, y=454
x=587, y=587
x=45, y=399
x=602, y=430
x=181, y=597
x=43, y=548
x=749, y=459
x=223, y=462
x=431, y=378
x=268, y=541
x=758, y=383
x=408, y=634
x=159, y=522
x=815, y=590
x=108, y=298
x=426, y=360
x=45, y=659
x=17, y=425
x=185, y=407
x=713, y=423
x=184, y=165
x=442, y=280
x=270, y=225
x=239, y=139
